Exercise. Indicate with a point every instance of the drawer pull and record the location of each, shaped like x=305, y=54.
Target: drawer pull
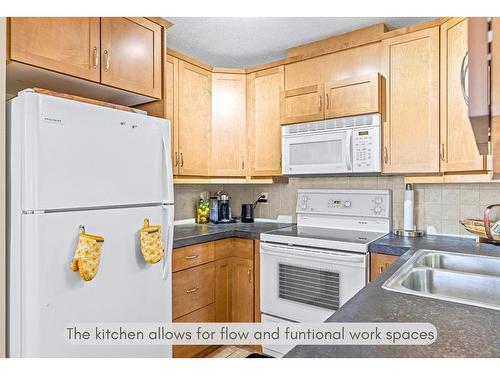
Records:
x=192, y=256
x=192, y=290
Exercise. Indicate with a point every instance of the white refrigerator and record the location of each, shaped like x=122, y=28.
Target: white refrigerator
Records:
x=75, y=164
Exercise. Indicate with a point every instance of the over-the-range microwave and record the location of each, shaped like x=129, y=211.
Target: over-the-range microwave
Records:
x=334, y=146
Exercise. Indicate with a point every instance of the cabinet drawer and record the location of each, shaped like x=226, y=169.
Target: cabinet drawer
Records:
x=192, y=289
x=205, y=314
x=191, y=256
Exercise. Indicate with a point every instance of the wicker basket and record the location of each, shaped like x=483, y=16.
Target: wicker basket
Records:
x=482, y=228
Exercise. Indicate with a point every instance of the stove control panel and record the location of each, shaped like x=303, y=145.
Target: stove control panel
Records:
x=376, y=203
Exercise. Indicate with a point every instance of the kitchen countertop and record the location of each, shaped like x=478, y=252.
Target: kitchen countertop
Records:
x=191, y=234
x=462, y=330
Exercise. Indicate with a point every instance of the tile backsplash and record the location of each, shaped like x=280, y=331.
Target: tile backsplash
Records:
x=438, y=207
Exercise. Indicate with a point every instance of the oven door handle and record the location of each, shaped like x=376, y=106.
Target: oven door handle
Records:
x=301, y=251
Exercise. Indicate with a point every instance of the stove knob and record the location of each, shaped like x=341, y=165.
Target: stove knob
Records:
x=305, y=198
x=347, y=204
x=377, y=209
x=303, y=206
x=378, y=200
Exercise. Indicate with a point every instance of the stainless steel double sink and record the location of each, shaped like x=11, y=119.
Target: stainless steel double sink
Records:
x=463, y=278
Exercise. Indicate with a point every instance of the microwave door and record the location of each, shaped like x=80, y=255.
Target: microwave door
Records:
x=317, y=153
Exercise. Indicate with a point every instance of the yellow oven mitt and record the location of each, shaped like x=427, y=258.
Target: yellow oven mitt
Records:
x=87, y=255
x=151, y=243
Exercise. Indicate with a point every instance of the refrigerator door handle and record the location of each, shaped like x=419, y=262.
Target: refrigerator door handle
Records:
x=168, y=165
x=169, y=240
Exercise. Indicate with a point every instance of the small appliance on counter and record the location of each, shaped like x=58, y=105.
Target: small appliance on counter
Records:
x=409, y=228
x=248, y=209
x=220, y=210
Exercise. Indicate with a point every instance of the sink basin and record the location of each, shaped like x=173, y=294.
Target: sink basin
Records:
x=462, y=263
x=468, y=279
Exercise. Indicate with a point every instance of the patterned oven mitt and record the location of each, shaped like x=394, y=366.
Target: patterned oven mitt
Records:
x=87, y=255
x=151, y=242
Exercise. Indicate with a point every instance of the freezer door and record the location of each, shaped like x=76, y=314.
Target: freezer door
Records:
x=74, y=155
x=48, y=296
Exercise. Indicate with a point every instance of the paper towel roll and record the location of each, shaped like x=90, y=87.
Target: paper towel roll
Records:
x=408, y=208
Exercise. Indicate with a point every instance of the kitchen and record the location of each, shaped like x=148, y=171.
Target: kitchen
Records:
x=362, y=157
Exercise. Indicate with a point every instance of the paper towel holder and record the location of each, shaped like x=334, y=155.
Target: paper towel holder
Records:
x=409, y=229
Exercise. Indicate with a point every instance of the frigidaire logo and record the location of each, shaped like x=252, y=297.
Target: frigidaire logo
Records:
x=52, y=120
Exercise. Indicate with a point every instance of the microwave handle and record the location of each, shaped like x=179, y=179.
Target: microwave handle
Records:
x=348, y=150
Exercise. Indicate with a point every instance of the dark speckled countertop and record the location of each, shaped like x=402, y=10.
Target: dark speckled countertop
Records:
x=191, y=234
x=463, y=330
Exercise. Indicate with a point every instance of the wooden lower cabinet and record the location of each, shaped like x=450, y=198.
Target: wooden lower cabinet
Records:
x=214, y=282
x=379, y=263
x=204, y=315
x=192, y=289
x=242, y=306
x=223, y=297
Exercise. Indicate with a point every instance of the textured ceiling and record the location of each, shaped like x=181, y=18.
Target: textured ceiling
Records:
x=245, y=41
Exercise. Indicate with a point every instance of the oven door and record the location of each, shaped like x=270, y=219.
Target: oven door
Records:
x=317, y=153
x=308, y=285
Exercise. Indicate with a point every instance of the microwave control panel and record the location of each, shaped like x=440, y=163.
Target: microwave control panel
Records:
x=366, y=153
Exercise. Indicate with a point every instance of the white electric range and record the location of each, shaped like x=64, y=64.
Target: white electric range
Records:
x=308, y=271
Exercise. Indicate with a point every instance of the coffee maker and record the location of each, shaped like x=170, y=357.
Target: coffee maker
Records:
x=223, y=209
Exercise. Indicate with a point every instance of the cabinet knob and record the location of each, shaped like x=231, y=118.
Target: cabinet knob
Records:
x=192, y=290
x=249, y=275
x=194, y=256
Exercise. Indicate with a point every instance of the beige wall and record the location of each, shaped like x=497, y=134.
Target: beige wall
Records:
x=438, y=206
x=2, y=185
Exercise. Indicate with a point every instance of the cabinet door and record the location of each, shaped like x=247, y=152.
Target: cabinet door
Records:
x=410, y=64
x=131, y=55
x=458, y=151
x=354, y=96
x=263, y=121
x=68, y=45
x=302, y=104
x=194, y=120
x=167, y=107
x=243, y=291
x=223, y=297
x=379, y=263
x=228, y=125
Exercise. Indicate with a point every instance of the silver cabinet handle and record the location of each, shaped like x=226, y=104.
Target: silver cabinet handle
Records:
x=464, y=69
x=327, y=101
x=249, y=275
x=182, y=160
x=442, y=152
x=386, y=155
x=106, y=61
x=176, y=157
x=320, y=103
x=192, y=256
x=95, y=57
x=192, y=290
x=243, y=163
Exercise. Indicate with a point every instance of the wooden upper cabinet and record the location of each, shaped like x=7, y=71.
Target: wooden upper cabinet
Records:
x=194, y=120
x=67, y=45
x=458, y=151
x=354, y=96
x=410, y=64
x=302, y=104
x=263, y=121
x=228, y=124
x=131, y=55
